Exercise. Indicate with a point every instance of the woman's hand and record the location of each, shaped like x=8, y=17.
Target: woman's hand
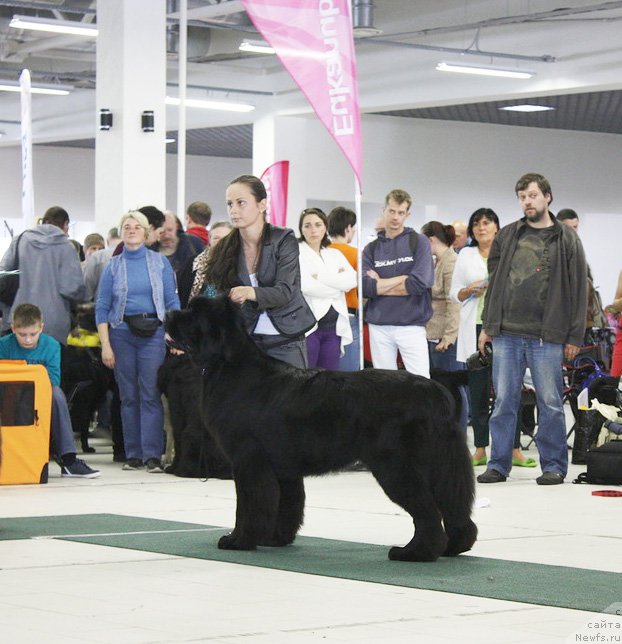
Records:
x=108, y=356
x=371, y=273
x=442, y=346
x=240, y=294
x=477, y=289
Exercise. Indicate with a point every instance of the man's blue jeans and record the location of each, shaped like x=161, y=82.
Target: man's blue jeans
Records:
x=350, y=361
x=137, y=361
x=511, y=355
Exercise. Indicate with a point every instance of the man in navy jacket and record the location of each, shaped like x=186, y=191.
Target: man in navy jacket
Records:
x=398, y=273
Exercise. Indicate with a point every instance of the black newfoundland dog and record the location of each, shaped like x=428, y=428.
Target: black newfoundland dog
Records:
x=277, y=424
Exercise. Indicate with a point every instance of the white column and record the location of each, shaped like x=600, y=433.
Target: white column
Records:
x=130, y=165
x=283, y=138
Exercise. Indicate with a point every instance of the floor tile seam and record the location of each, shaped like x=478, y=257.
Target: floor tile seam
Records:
x=154, y=557
x=405, y=620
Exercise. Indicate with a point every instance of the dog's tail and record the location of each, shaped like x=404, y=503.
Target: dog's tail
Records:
x=453, y=482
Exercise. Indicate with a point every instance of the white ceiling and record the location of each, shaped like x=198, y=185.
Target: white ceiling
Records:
x=396, y=69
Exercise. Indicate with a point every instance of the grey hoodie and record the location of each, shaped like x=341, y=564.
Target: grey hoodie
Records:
x=50, y=276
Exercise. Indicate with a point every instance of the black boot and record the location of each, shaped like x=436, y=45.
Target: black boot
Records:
x=586, y=430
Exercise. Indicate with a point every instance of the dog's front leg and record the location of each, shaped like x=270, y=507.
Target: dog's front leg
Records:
x=257, y=492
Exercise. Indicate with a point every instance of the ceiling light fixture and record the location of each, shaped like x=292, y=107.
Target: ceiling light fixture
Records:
x=54, y=26
x=484, y=70
x=50, y=90
x=211, y=105
x=256, y=47
x=527, y=108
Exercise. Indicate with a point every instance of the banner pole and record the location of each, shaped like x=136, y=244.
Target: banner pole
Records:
x=359, y=263
x=181, y=122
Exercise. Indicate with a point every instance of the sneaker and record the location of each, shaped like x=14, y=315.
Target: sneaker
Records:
x=133, y=464
x=550, y=478
x=154, y=466
x=79, y=469
x=491, y=476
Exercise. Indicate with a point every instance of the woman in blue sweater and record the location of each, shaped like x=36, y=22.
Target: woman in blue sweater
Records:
x=137, y=287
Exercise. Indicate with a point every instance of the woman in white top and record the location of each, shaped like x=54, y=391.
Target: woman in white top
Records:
x=325, y=276
x=469, y=283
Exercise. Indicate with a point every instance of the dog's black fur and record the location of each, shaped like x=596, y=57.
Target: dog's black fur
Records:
x=277, y=424
x=196, y=453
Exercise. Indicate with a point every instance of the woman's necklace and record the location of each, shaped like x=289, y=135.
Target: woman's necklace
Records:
x=251, y=256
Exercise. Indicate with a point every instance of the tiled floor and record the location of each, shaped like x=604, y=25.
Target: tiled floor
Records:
x=55, y=591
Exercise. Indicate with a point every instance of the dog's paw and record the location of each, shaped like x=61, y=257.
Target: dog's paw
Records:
x=406, y=554
x=460, y=539
x=231, y=542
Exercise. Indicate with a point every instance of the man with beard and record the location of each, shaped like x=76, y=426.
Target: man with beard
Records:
x=534, y=315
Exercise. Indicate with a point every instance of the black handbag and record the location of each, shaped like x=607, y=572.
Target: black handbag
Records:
x=9, y=284
x=142, y=325
x=604, y=465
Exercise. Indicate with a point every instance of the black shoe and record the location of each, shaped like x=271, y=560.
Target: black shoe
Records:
x=133, y=464
x=491, y=476
x=550, y=478
x=154, y=466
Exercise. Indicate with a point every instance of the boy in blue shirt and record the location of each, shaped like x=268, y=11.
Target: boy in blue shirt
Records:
x=29, y=343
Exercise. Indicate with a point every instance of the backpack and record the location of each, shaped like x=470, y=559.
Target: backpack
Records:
x=413, y=240
x=604, y=465
x=595, y=314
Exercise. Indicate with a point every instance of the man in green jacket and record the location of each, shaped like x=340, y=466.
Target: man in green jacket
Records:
x=534, y=315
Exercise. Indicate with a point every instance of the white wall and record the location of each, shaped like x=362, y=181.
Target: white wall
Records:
x=453, y=168
x=66, y=177
x=450, y=168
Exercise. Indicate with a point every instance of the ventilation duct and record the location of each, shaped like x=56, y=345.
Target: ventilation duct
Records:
x=363, y=19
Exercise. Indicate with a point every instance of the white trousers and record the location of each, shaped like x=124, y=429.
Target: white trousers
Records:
x=386, y=340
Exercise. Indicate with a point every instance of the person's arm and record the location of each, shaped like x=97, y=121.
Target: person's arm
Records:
x=616, y=306
x=421, y=276
x=52, y=362
x=92, y=273
x=492, y=264
x=395, y=286
x=102, y=312
x=8, y=259
x=577, y=269
x=452, y=310
x=104, y=338
x=369, y=283
x=171, y=299
x=336, y=272
x=71, y=283
x=309, y=283
x=461, y=289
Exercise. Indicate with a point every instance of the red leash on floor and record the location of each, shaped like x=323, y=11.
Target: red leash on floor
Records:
x=607, y=493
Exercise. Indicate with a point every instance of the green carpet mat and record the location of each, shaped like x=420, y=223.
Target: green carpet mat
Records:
x=561, y=586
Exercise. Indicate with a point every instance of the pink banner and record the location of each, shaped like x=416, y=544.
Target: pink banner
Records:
x=313, y=40
x=275, y=179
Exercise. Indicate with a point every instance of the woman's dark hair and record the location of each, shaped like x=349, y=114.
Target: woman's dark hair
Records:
x=481, y=213
x=221, y=268
x=255, y=185
x=444, y=233
x=322, y=215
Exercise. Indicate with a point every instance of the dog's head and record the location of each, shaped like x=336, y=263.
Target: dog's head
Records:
x=209, y=328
